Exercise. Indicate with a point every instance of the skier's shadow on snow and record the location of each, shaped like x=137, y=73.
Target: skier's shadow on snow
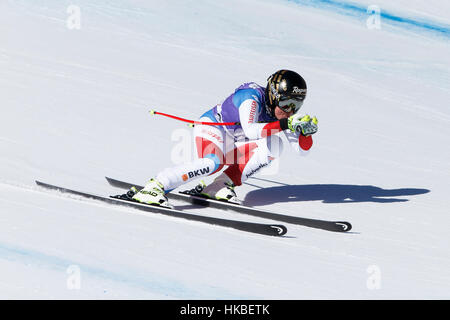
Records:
x=328, y=193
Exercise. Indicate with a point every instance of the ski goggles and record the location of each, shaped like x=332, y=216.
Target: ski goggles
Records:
x=291, y=104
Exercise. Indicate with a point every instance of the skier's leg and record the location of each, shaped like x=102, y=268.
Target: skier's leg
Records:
x=254, y=156
x=248, y=159
x=209, y=142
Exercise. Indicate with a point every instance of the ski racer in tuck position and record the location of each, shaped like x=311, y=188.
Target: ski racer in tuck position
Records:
x=250, y=144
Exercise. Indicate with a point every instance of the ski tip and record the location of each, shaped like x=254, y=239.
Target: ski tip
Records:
x=279, y=229
x=343, y=226
x=40, y=183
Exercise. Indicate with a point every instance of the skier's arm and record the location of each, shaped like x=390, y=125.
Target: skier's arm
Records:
x=300, y=130
x=300, y=144
x=249, y=111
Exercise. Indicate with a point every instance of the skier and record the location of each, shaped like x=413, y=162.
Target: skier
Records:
x=259, y=113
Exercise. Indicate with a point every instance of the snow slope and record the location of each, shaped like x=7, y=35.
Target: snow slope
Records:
x=75, y=108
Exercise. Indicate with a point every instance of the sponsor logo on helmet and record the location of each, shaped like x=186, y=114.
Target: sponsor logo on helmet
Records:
x=274, y=91
x=297, y=90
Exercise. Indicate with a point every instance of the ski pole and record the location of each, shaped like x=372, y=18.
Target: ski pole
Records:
x=192, y=122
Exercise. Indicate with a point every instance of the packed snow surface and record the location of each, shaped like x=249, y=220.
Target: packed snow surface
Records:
x=78, y=79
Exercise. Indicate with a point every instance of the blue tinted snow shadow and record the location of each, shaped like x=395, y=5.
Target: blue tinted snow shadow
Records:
x=153, y=283
x=360, y=11
x=328, y=193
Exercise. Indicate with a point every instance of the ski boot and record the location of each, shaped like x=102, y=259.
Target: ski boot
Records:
x=222, y=188
x=153, y=193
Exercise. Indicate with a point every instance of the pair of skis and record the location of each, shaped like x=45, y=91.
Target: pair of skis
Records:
x=265, y=229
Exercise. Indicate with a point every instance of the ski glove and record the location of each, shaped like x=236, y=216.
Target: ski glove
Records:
x=304, y=125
